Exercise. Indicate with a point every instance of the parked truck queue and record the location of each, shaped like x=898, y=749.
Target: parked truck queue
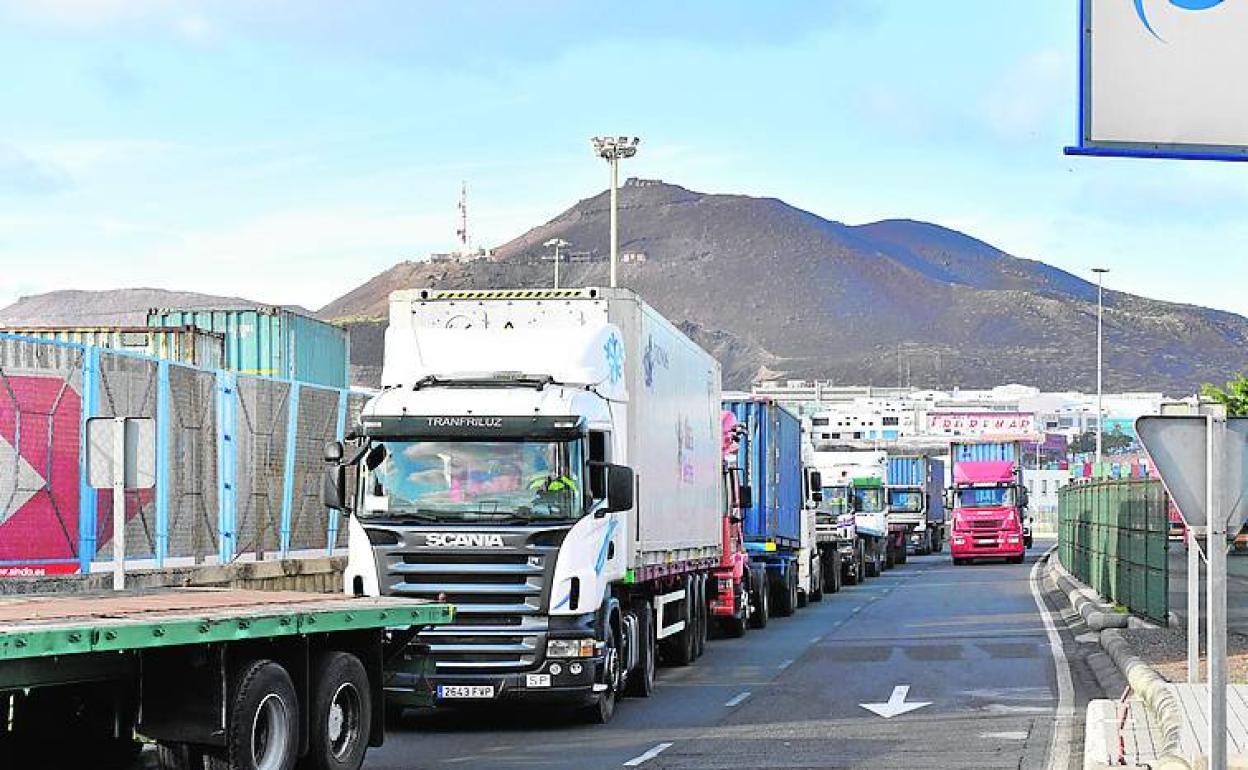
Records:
x=563, y=468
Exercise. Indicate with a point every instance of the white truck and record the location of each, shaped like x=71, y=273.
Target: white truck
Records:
x=549, y=462
x=856, y=480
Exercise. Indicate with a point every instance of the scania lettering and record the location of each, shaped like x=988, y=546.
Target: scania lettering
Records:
x=551, y=463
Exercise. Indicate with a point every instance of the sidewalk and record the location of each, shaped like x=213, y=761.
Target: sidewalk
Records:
x=1194, y=701
x=1110, y=735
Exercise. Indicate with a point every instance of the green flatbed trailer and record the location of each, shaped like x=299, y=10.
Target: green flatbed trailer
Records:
x=218, y=679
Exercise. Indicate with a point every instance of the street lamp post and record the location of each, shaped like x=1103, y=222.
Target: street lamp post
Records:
x=556, y=244
x=611, y=149
x=1100, y=363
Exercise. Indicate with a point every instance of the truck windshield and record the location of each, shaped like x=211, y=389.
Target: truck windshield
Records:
x=835, y=500
x=905, y=500
x=988, y=497
x=477, y=480
x=869, y=499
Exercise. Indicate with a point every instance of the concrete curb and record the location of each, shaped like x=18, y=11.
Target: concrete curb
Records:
x=1152, y=688
x=1096, y=614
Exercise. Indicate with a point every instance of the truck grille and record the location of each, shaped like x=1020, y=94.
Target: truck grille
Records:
x=993, y=524
x=499, y=595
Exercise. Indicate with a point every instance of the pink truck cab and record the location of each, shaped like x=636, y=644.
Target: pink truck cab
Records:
x=988, y=503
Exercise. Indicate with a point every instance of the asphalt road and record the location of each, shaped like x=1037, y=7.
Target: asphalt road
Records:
x=1236, y=587
x=969, y=640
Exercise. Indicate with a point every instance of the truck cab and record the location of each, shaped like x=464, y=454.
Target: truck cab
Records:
x=988, y=504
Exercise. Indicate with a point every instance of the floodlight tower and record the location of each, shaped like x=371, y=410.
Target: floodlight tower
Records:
x=1100, y=365
x=556, y=244
x=611, y=149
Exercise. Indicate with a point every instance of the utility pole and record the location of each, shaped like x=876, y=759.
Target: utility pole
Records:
x=557, y=244
x=611, y=149
x=1100, y=364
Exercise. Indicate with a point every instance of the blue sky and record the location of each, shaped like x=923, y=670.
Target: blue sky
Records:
x=287, y=151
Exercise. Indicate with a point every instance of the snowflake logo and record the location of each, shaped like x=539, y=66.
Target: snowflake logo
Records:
x=615, y=359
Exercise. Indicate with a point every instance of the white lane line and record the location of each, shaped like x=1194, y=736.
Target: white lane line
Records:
x=785, y=664
x=1011, y=735
x=816, y=639
x=1059, y=740
x=641, y=759
x=737, y=699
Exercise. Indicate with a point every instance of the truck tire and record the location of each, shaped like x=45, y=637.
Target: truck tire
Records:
x=603, y=708
x=762, y=606
x=735, y=626
x=831, y=574
x=902, y=556
x=1016, y=559
x=341, y=719
x=640, y=682
x=816, y=579
x=699, y=605
x=786, y=594
x=262, y=728
x=889, y=556
x=873, y=564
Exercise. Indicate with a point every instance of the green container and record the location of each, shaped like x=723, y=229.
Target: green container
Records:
x=270, y=342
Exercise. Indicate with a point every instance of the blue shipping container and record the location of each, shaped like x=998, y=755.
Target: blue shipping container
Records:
x=271, y=342
x=771, y=460
x=981, y=451
x=923, y=472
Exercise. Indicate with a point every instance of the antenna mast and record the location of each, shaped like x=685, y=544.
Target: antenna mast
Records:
x=465, y=244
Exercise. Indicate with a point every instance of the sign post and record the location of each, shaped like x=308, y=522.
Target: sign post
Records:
x=1203, y=463
x=120, y=455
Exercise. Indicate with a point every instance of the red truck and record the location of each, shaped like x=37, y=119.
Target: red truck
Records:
x=988, y=501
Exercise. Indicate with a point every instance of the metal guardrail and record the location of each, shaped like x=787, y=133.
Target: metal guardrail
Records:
x=1113, y=535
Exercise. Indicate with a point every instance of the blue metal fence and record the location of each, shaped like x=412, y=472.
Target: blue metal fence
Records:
x=237, y=460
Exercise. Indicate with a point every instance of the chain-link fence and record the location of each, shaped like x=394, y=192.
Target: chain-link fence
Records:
x=237, y=461
x=1113, y=535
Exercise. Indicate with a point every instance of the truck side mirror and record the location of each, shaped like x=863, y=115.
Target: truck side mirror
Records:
x=620, y=484
x=333, y=488
x=816, y=481
x=1023, y=498
x=332, y=452
x=745, y=497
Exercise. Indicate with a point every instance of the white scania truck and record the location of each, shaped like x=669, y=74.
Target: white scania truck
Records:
x=548, y=462
x=858, y=478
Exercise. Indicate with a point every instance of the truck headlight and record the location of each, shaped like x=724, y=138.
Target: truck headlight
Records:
x=1011, y=539
x=570, y=648
x=959, y=540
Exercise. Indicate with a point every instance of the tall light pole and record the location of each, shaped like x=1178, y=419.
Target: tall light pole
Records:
x=1100, y=362
x=611, y=149
x=556, y=244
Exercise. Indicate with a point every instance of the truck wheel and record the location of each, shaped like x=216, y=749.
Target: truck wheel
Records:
x=603, y=708
x=762, y=606
x=902, y=556
x=262, y=732
x=734, y=626
x=873, y=565
x=342, y=716
x=1016, y=559
x=816, y=580
x=889, y=556
x=786, y=595
x=640, y=683
x=830, y=574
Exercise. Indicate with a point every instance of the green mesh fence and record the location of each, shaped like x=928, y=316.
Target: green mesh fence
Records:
x=1112, y=535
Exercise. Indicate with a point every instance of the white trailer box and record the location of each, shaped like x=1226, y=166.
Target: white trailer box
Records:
x=664, y=392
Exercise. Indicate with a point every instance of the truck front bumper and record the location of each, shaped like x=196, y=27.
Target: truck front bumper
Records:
x=551, y=681
x=966, y=545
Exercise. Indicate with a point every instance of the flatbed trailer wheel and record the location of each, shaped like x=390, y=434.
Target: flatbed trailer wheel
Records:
x=342, y=714
x=785, y=590
x=262, y=732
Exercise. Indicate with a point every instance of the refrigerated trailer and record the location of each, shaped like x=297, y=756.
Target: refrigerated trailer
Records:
x=237, y=679
x=549, y=461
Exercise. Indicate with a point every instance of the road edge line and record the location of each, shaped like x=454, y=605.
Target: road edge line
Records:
x=1060, y=738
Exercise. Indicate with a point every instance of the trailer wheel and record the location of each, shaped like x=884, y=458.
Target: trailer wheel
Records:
x=786, y=594
x=816, y=579
x=704, y=616
x=640, y=683
x=902, y=556
x=342, y=716
x=762, y=605
x=263, y=728
x=873, y=564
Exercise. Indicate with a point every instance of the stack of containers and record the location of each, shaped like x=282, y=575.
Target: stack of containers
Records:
x=270, y=341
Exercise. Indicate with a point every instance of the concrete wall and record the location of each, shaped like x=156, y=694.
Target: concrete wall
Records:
x=321, y=575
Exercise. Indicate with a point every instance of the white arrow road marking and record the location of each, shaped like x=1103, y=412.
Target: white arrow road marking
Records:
x=896, y=703
x=641, y=759
x=16, y=489
x=738, y=699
